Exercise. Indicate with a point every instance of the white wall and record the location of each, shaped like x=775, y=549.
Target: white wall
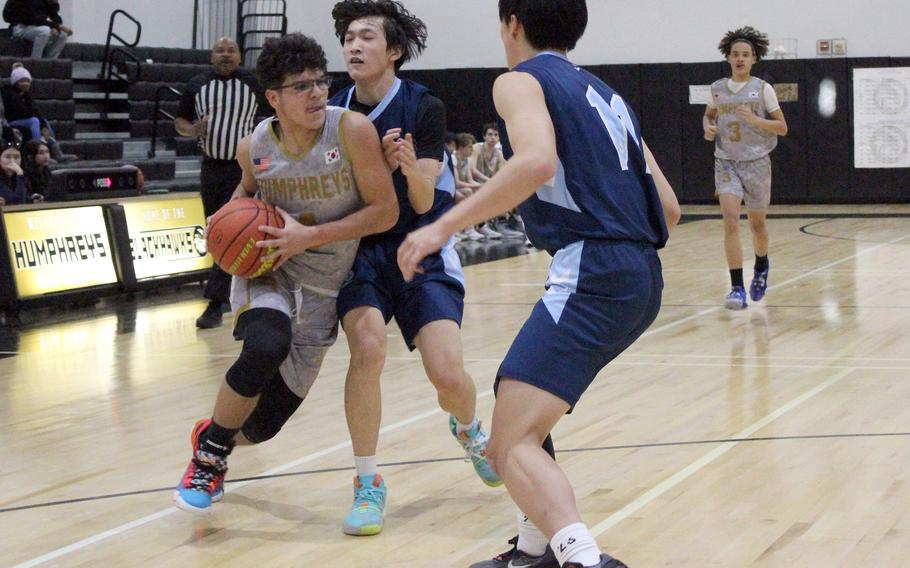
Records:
x=66, y=11
x=465, y=33
x=165, y=23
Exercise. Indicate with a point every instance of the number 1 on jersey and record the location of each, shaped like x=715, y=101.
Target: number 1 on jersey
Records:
x=616, y=118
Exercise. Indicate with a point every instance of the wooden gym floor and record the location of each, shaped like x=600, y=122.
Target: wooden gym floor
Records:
x=776, y=436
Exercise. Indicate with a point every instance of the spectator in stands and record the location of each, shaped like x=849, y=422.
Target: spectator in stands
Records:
x=22, y=114
x=35, y=159
x=487, y=160
x=465, y=185
x=449, y=142
x=39, y=22
x=464, y=179
x=5, y=128
x=220, y=107
x=12, y=180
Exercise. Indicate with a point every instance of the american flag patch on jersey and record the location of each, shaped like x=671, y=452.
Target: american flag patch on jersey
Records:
x=332, y=155
x=261, y=164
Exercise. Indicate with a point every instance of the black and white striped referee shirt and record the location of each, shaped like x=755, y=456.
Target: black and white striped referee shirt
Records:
x=232, y=104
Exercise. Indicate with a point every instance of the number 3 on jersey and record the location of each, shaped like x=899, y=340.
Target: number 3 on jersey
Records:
x=616, y=118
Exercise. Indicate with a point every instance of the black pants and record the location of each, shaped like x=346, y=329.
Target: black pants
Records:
x=219, y=179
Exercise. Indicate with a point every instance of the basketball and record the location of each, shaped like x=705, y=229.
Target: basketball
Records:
x=234, y=232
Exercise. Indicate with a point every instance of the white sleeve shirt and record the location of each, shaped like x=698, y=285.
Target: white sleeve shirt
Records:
x=768, y=94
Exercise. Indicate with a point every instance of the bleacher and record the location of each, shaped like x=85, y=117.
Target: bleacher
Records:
x=70, y=95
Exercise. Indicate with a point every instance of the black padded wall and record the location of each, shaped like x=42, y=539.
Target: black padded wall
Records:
x=660, y=115
x=467, y=94
x=812, y=164
x=828, y=151
x=697, y=153
x=789, y=158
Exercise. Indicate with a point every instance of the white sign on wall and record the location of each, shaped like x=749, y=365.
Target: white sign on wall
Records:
x=699, y=94
x=881, y=117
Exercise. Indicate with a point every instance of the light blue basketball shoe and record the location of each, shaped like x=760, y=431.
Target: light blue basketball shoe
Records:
x=474, y=442
x=368, y=509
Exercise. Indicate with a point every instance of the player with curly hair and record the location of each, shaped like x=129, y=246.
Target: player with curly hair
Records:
x=744, y=119
x=286, y=318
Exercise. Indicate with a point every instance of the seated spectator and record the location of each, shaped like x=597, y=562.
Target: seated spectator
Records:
x=5, y=129
x=487, y=160
x=464, y=178
x=450, y=142
x=22, y=114
x=39, y=22
x=35, y=159
x=465, y=185
x=12, y=180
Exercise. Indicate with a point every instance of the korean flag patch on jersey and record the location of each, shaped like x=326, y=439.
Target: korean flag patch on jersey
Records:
x=753, y=95
x=332, y=155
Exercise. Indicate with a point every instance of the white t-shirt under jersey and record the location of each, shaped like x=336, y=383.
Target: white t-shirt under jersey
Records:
x=771, y=102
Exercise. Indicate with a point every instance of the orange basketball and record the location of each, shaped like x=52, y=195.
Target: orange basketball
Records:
x=234, y=231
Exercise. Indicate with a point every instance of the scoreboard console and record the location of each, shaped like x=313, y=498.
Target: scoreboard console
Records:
x=71, y=184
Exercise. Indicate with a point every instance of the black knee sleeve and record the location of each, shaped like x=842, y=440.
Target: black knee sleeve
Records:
x=266, y=337
x=277, y=403
x=548, y=446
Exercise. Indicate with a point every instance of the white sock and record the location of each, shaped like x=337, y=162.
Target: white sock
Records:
x=530, y=539
x=459, y=427
x=573, y=543
x=366, y=465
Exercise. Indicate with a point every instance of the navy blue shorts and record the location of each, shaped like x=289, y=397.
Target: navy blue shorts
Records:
x=601, y=296
x=436, y=295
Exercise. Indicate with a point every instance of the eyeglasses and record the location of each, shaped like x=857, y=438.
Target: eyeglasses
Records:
x=301, y=87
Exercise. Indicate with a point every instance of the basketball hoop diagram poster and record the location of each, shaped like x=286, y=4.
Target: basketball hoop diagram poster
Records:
x=881, y=117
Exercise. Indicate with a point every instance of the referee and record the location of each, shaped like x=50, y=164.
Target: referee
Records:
x=219, y=108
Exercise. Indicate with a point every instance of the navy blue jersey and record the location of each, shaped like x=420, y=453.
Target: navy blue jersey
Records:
x=399, y=109
x=603, y=189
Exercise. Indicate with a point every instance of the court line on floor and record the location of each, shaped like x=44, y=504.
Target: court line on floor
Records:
x=709, y=310
x=782, y=357
x=386, y=465
x=63, y=551
x=729, y=360
x=712, y=456
x=621, y=362
x=704, y=312
x=166, y=512
x=759, y=366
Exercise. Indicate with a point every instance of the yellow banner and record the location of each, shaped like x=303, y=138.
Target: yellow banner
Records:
x=166, y=236
x=53, y=250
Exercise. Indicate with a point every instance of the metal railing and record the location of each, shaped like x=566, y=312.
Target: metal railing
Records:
x=158, y=113
x=249, y=22
x=106, y=63
x=117, y=56
x=260, y=20
x=213, y=19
